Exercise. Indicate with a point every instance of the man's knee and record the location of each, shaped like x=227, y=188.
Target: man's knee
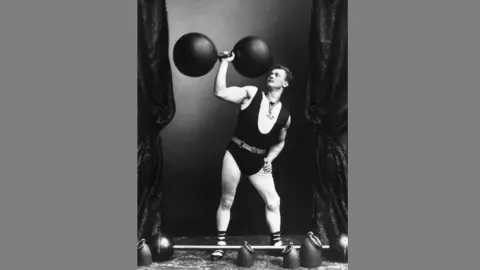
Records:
x=226, y=202
x=273, y=204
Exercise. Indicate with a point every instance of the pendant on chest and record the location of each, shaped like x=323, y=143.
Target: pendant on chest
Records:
x=268, y=115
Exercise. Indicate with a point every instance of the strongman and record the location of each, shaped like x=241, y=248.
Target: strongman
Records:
x=258, y=139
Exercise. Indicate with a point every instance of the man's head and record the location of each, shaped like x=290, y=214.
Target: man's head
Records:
x=279, y=77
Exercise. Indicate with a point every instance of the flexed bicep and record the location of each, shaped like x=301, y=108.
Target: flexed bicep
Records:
x=233, y=94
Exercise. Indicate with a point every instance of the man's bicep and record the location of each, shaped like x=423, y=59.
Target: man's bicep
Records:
x=235, y=94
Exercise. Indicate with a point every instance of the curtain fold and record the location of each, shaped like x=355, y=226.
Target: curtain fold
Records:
x=327, y=109
x=156, y=108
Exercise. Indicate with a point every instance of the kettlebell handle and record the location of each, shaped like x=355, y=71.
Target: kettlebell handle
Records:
x=248, y=247
x=288, y=248
x=314, y=239
x=140, y=243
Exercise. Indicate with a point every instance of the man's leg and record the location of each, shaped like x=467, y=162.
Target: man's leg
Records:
x=264, y=184
x=230, y=178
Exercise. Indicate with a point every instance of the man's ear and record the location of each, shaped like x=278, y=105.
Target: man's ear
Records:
x=285, y=84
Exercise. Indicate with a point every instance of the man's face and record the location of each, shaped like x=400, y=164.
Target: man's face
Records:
x=277, y=79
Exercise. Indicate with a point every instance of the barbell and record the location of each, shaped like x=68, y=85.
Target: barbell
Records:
x=195, y=54
x=161, y=248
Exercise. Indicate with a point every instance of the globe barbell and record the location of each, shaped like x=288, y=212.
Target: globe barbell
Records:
x=195, y=54
x=162, y=247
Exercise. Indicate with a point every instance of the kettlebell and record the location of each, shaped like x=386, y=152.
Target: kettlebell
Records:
x=311, y=252
x=245, y=256
x=291, y=259
x=144, y=255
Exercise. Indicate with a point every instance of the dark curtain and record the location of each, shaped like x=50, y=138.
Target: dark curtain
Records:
x=156, y=108
x=326, y=108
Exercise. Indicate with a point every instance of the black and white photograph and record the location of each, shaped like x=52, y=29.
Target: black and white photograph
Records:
x=251, y=117
x=242, y=146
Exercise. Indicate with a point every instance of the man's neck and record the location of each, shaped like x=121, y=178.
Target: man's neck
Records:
x=274, y=95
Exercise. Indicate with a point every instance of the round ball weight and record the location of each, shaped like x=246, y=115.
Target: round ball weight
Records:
x=253, y=57
x=161, y=246
x=194, y=54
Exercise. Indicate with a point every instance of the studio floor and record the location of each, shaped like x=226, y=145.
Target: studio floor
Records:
x=201, y=259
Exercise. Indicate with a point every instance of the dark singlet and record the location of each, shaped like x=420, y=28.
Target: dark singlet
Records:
x=247, y=131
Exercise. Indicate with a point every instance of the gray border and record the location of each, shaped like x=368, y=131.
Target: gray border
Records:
x=67, y=163
x=68, y=128
x=413, y=89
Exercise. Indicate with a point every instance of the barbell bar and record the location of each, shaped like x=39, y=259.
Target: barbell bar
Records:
x=234, y=247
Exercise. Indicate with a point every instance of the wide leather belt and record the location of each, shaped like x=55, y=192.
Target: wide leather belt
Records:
x=247, y=147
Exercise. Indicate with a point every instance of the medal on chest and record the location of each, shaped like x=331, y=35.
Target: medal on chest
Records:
x=269, y=109
x=270, y=115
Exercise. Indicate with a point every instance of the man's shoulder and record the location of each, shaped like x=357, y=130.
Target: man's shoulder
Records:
x=286, y=115
x=286, y=110
x=251, y=89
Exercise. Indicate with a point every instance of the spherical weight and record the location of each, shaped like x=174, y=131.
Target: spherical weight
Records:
x=161, y=246
x=253, y=57
x=343, y=241
x=194, y=54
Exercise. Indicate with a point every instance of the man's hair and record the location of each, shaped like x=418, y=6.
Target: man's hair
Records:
x=289, y=74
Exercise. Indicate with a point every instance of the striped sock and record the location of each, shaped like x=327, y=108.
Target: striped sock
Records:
x=221, y=237
x=275, y=238
x=221, y=241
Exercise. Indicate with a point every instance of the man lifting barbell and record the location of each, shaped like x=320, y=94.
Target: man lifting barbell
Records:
x=258, y=139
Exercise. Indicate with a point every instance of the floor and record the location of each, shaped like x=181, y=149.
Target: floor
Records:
x=201, y=259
